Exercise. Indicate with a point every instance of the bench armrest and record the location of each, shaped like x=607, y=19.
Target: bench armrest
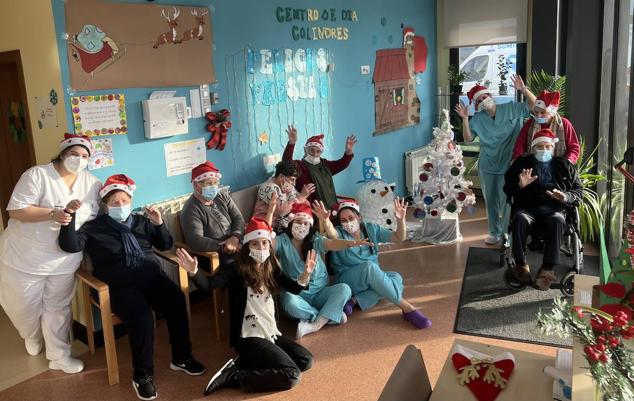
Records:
x=91, y=281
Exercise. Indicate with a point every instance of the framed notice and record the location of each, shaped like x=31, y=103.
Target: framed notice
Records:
x=181, y=157
x=103, y=155
x=99, y=115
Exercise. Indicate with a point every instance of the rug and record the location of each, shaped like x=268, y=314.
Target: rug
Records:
x=489, y=308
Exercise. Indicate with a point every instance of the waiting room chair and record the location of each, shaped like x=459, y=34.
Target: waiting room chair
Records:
x=101, y=300
x=409, y=381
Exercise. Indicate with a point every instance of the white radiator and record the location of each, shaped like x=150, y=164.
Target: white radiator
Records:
x=413, y=161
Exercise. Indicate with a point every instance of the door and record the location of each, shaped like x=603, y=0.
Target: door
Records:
x=16, y=140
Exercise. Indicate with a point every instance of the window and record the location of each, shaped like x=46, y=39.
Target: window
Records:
x=398, y=96
x=476, y=68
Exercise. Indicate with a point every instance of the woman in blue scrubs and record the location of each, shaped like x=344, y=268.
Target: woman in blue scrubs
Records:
x=497, y=126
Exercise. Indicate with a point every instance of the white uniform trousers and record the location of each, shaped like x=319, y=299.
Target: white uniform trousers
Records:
x=39, y=304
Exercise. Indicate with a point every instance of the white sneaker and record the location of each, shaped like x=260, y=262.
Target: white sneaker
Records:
x=33, y=346
x=67, y=365
x=491, y=240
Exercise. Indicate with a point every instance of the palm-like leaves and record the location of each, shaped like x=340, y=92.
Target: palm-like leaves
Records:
x=590, y=215
x=538, y=81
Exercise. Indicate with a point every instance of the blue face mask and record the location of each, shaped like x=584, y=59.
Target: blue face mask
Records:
x=120, y=213
x=210, y=192
x=540, y=120
x=544, y=156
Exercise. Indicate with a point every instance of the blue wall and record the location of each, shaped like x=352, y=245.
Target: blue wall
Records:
x=237, y=24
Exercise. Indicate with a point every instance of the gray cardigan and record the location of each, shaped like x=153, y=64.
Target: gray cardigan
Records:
x=204, y=228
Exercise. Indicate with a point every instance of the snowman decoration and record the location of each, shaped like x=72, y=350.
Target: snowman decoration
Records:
x=375, y=196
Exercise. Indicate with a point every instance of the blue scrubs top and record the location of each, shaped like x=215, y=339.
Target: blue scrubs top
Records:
x=497, y=135
x=293, y=265
x=347, y=258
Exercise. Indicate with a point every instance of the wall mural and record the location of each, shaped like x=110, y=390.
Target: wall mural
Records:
x=395, y=101
x=118, y=45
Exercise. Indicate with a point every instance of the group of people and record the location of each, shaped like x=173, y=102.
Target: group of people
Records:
x=529, y=163
x=59, y=210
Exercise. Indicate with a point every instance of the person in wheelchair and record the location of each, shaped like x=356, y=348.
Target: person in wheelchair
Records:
x=542, y=189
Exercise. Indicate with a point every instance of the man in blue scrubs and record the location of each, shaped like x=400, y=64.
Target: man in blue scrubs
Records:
x=497, y=126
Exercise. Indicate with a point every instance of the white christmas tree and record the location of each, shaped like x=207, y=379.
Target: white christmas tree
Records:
x=441, y=176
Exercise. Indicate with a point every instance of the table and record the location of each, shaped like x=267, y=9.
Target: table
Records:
x=527, y=383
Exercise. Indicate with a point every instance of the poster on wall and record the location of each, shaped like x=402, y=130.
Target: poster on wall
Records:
x=46, y=113
x=99, y=114
x=122, y=45
x=181, y=157
x=102, y=155
x=396, y=104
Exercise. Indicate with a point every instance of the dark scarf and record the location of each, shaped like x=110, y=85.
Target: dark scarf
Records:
x=133, y=252
x=324, y=185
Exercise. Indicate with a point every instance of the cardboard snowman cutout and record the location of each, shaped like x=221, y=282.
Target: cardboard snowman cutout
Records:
x=376, y=197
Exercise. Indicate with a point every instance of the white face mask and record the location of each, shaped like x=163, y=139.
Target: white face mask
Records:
x=351, y=227
x=75, y=164
x=259, y=255
x=486, y=104
x=287, y=187
x=312, y=159
x=300, y=231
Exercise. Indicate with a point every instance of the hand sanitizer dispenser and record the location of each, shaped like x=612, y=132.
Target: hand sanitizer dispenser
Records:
x=165, y=117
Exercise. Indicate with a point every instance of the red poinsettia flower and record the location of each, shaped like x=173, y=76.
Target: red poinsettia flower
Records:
x=613, y=290
x=613, y=309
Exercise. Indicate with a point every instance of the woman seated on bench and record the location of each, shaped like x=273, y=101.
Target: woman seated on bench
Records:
x=120, y=246
x=320, y=303
x=359, y=267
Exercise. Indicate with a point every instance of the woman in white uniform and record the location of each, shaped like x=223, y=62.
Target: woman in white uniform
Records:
x=37, y=278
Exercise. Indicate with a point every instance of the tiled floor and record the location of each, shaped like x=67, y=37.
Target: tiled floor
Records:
x=352, y=362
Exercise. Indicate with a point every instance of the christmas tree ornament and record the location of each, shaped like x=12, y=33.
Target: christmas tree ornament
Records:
x=484, y=375
x=442, y=173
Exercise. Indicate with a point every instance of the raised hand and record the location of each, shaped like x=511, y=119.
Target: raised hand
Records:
x=400, y=208
x=526, y=178
x=154, y=215
x=557, y=194
x=307, y=190
x=320, y=210
x=186, y=261
x=350, y=142
x=518, y=83
x=461, y=110
x=292, y=134
x=311, y=262
x=73, y=206
x=273, y=202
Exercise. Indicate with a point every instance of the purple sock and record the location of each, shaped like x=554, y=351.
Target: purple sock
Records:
x=417, y=319
x=348, y=307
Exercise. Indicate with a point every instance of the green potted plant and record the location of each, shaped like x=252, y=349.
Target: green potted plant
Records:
x=456, y=78
x=503, y=71
x=590, y=214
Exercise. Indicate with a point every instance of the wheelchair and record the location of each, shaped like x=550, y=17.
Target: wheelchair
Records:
x=571, y=247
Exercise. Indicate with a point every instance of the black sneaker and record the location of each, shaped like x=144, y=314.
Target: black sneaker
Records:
x=227, y=376
x=190, y=366
x=144, y=388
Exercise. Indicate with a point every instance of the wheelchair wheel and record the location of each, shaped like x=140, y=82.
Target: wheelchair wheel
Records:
x=504, y=246
x=568, y=284
x=578, y=255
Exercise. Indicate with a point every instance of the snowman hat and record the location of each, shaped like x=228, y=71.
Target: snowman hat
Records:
x=371, y=169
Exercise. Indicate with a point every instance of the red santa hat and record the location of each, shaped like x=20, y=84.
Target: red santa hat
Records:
x=548, y=101
x=476, y=92
x=256, y=229
x=205, y=171
x=301, y=210
x=317, y=140
x=74, y=140
x=408, y=31
x=118, y=182
x=544, y=135
x=348, y=203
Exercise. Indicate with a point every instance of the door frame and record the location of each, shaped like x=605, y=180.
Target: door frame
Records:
x=14, y=57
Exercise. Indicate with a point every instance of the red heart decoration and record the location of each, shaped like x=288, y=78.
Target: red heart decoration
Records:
x=483, y=391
